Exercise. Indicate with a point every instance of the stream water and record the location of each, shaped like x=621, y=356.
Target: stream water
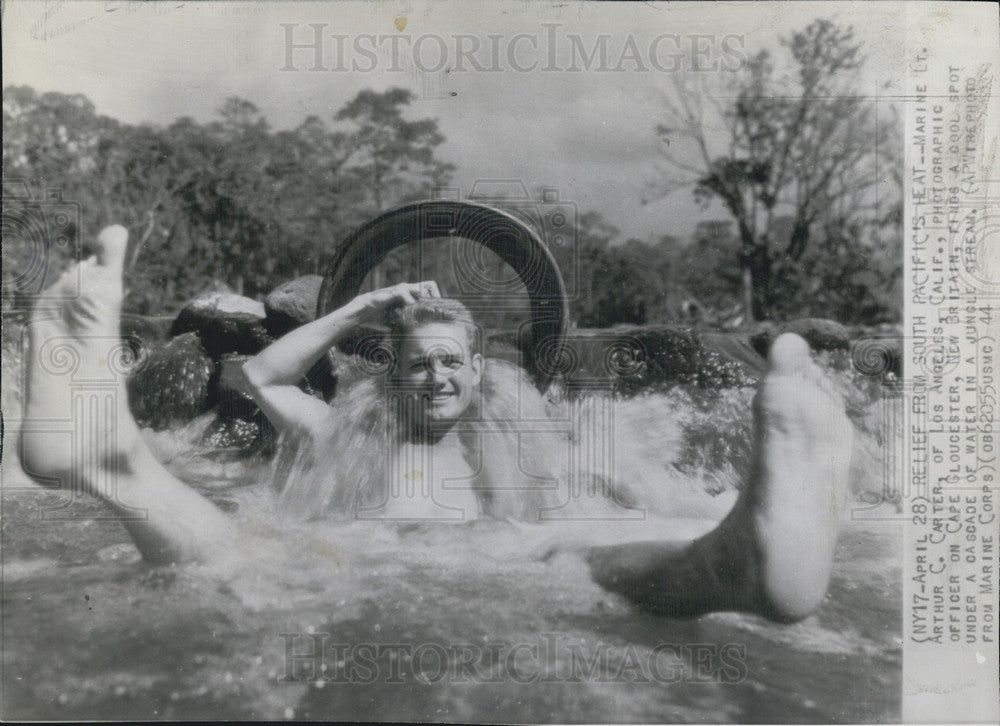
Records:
x=390, y=621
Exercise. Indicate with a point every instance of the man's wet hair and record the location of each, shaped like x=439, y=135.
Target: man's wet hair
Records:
x=403, y=320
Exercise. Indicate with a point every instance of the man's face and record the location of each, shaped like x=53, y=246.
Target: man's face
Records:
x=436, y=364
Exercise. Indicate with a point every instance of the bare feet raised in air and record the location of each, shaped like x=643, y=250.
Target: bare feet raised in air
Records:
x=772, y=555
x=78, y=432
x=74, y=341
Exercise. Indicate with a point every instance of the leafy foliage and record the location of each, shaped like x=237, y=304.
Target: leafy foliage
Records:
x=230, y=202
x=804, y=146
x=233, y=203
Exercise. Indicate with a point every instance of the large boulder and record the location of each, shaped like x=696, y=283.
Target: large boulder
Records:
x=170, y=386
x=240, y=426
x=292, y=304
x=235, y=438
x=232, y=400
x=225, y=322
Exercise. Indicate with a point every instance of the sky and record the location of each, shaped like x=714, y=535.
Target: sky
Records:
x=520, y=90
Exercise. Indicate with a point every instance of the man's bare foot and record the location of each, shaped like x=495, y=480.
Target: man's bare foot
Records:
x=75, y=376
x=798, y=486
x=773, y=553
x=78, y=431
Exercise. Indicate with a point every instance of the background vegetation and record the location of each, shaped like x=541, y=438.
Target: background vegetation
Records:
x=808, y=174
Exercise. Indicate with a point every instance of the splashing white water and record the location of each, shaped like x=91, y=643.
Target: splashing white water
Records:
x=532, y=460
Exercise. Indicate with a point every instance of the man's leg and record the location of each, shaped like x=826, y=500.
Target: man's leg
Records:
x=106, y=457
x=772, y=554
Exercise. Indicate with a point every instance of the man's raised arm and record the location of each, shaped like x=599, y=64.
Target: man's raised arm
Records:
x=271, y=377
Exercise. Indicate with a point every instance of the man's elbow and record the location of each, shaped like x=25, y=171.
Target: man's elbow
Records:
x=243, y=376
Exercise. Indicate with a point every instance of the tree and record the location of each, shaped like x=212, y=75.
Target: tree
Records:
x=579, y=262
x=801, y=144
x=710, y=279
x=241, y=219
x=612, y=283
x=313, y=194
x=229, y=201
x=49, y=136
x=111, y=172
x=392, y=159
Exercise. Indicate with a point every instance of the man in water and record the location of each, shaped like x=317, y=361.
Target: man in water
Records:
x=437, y=371
x=772, y=554
x=413, y=449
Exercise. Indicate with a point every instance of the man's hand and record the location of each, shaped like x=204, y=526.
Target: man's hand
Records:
x=371, y=305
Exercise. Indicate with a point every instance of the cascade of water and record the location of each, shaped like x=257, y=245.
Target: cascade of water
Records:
x=531, y=459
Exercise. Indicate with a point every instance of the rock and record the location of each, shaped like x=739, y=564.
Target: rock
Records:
x=171, y=385
x=233, y=403
x=680, y=356
x=227, y=302
x=226, y=323
x=143, y=333
x=628, y=359
x=236, y=437
x=820, y=333
x=240, y=423
x=292, y=304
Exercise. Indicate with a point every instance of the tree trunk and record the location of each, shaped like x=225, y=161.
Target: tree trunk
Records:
x=748, y=316
x=760, y=275
x=748, y=245
x=755, y=269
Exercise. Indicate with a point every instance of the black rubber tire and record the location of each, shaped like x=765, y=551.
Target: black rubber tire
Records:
x=506, y=235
